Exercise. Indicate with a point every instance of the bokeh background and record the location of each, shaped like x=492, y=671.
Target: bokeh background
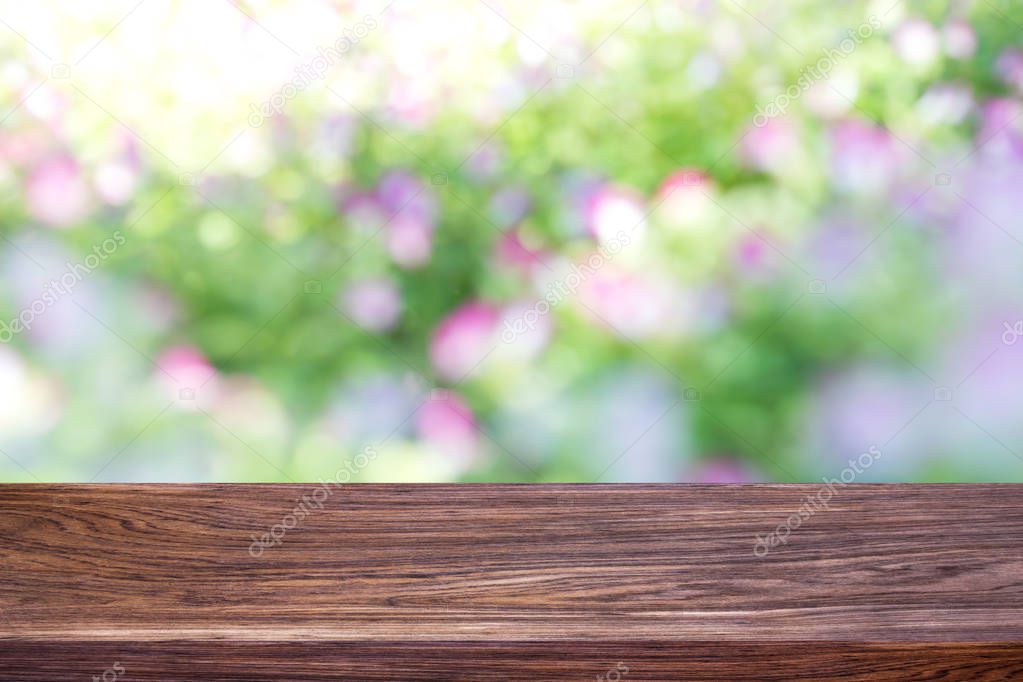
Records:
x=463, y=241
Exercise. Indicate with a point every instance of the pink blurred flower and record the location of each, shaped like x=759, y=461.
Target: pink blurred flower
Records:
x=864, y=157
x=960, y=39
x=187, y=376
x=56, y=193
x=771, y=146
x=463, y=339
x=409, y=240
x=401, y=191
x=446, y=422
x=25, y=146
x=723, y=470
x=511, y=252
x=916, y=42
x=632, y=304
x=374, y=304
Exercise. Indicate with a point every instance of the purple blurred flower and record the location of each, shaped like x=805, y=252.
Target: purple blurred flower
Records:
x=835, y=243
x=864, y=157
x=990, y=370
x=756, y=259
x=410, y=240
x=371, y=409
x=578, y=189
x=980, y=244
x=1010, y=68
x=374, y=304
x=509, y=205
x=631, y=424
x=464, y=339
x=873, y=406
x=401, y=191
x=1001, y=129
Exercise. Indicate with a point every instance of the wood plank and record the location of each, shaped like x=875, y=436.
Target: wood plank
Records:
x=513, y=581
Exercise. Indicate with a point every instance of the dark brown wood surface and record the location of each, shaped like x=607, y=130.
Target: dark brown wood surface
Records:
x=586, y=582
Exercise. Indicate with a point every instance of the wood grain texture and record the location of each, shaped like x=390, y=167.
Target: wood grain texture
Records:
x=418, y=582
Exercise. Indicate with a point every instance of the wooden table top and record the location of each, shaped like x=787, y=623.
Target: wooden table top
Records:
x=630, y=582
